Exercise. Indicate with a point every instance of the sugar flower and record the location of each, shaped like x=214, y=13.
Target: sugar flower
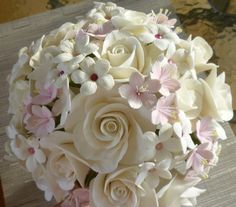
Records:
x=76, y=51
x=163, y=74
x=140, y=92
x=29, y=151
x=165, y=110
x=183, y=129
x=199, y=157
x=92, y=75
x=40, y=121
x=208, y=130
x=166, y=143
x=153, y=172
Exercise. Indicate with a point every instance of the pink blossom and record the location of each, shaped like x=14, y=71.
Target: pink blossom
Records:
x=140, y=92
x=208, y=130
x=163, y=19
x=40, y=121
x=78, y=198
x=163, y=74
x=46, y=94
x=165, y=110
x=200, y=157
x=100, y=31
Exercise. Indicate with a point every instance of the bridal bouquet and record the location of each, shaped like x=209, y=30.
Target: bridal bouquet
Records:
x=117, y=110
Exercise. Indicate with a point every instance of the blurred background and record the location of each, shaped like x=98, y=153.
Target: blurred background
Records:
x=215, y=20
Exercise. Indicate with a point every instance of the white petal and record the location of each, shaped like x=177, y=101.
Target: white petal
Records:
x=102, y=67
x=106, y=82
x=79, y=76
x=88, y=88
x=162, y=44
x=40, y=156
x=67, y=46
x=66, y=184
x=64, y=57
x=31, y=163
x=87, y=62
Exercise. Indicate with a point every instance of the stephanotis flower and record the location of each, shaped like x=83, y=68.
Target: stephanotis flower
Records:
x=163, y=74
x=161, y=36
x=183, y=129
x=76, y=51
x=28, y=150
x=166, y=143
x=92, y=75
x=200, y=157
x=140, y=92
x=153, y=172
x=39, y=121
x=165, y=110
x=208, y=130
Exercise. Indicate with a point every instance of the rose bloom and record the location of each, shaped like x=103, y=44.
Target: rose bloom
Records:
x=64, y=162
x=107, y=131
x=118, y=189
x=125, y=53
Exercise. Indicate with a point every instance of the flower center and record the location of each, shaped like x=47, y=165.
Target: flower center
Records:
x=158, y=36
x=31, y=150
x=170, y=61
x=94, y=77
x=159, y=146
x=61, y=73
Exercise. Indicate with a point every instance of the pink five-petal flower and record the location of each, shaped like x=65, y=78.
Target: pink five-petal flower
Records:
x=46, y=94
x=140, y=92
x=163, y=74
x=208, y=130
x=78, y=198
x=99, y=31
x=40, y=121
x=199, y=157
x=165, y=110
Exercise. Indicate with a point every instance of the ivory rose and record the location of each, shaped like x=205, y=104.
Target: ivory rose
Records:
x=217, y=97
x=107, y=131
x=64, y=162
x=118, y=189
x=125, y=53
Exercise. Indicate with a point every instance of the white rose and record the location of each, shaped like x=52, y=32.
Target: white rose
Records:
x=128, y=18
x=189, y=97
x=125, y=54
x=64, y=162
x=217, y=97
x=118, y=189
x=107, y=131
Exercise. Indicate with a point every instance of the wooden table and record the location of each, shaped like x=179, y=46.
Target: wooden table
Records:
x=19, y=189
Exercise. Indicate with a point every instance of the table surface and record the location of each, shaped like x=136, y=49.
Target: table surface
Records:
x=19, y=189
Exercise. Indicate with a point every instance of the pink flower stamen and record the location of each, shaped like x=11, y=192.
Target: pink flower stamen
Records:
x=94, y=77
x=170, y=61
x=31, y=150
